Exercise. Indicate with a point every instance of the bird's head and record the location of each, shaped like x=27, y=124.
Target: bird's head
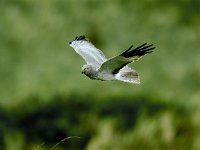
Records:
x=88, y=70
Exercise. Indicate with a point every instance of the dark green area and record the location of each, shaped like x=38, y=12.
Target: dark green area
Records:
x=80, y=116
x=44, y=98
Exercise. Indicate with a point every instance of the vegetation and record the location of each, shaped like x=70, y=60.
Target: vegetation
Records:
x=47, y=104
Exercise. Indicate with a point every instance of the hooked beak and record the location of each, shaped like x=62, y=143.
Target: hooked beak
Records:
x=82, y=72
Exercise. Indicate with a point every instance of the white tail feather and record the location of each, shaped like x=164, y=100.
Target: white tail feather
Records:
x=129, y=75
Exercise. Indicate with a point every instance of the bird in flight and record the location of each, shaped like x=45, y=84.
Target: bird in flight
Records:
x=98, y=67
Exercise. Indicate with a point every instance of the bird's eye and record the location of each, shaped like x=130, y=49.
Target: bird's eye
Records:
x=86, y=69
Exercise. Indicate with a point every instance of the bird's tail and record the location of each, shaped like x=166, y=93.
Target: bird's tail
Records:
x=129, y=75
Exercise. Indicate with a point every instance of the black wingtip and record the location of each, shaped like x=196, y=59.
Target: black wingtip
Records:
x=138, y=51
x=81, y=37
x=127, y=50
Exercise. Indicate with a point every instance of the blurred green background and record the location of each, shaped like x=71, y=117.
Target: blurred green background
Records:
x=45, y=99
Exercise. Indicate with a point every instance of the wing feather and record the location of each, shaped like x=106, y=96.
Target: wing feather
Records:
x=116, y=63
x=88, y=51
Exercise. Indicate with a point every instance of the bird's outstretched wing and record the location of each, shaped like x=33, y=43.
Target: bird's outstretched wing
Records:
x=88, y=51
x=116, y=63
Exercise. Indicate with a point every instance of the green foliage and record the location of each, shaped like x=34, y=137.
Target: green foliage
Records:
x=36, y=64
x=141, y=123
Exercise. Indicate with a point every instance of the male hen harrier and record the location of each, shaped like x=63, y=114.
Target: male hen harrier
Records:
x=100, y=68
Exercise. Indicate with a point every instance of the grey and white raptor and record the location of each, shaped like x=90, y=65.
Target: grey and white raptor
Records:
x=115, y=68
